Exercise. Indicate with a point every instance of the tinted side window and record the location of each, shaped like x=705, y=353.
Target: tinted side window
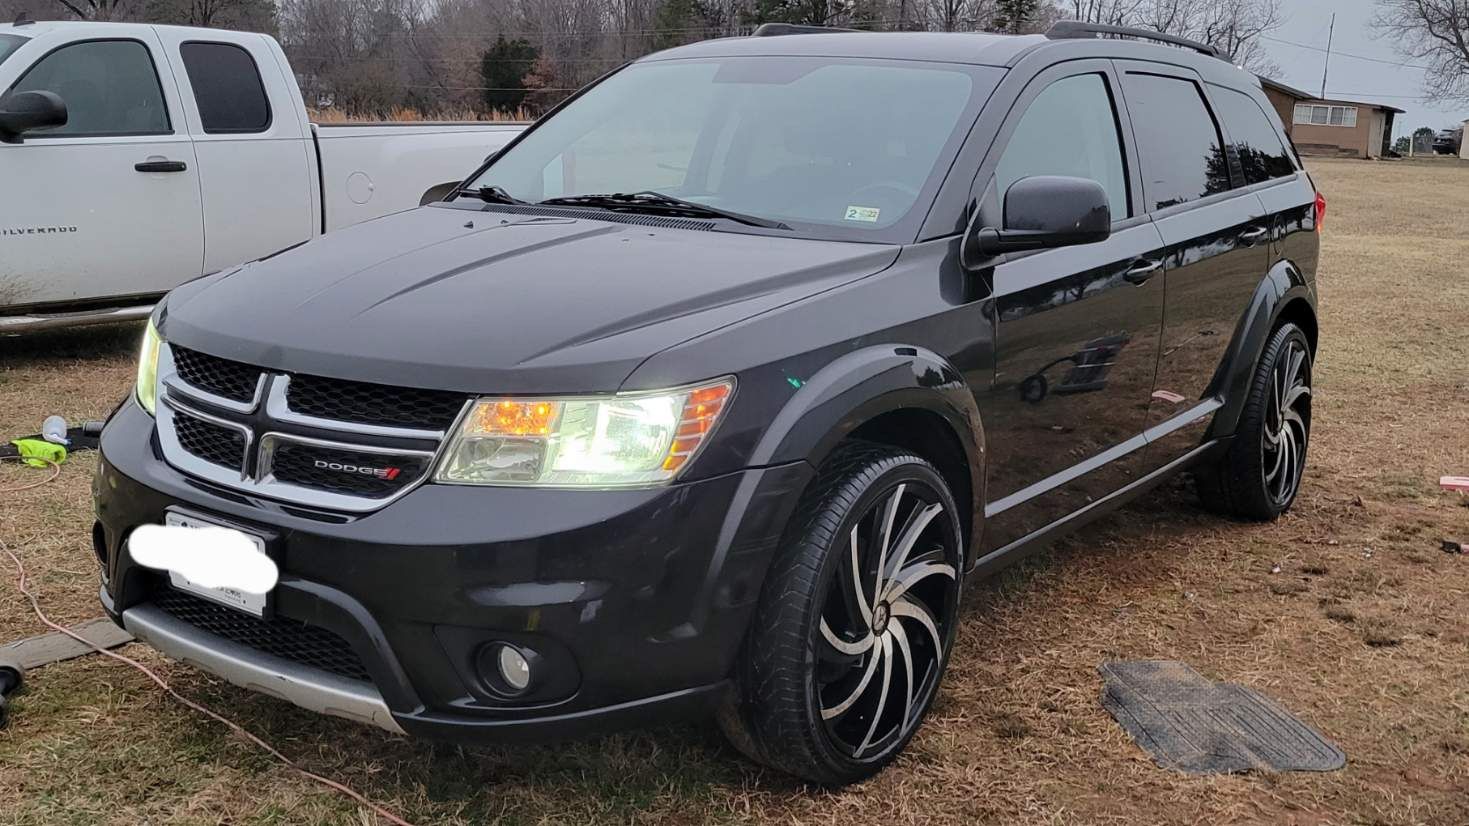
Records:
x=1261, y=154
x=1177, y=140
x=227, y=87
x=1069, y=129
x=109, y=86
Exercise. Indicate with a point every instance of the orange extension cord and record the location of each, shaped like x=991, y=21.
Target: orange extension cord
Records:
x=23, y=584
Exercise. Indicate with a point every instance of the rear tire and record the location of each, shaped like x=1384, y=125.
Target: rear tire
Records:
x=853, y=628
x=1260, y=475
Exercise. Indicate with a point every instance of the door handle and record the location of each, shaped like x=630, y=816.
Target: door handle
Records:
x=157, y=163
x=1141, y=271
x=1250, y=236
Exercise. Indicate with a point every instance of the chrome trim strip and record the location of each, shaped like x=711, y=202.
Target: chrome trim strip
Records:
x=174, y=383
x=55, y=321
x=278, y=407
x=174, y=452
x=310, y=688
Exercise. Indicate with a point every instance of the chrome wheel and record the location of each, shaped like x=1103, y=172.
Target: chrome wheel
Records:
x=1287, y=424
x=886, y=620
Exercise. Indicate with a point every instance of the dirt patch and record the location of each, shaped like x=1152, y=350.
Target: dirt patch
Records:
x=1363, y=633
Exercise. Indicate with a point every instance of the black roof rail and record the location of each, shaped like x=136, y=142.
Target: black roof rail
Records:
x=777, y=29
x=1077, y=30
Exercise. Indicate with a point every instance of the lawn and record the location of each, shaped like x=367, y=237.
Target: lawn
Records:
x=1346, y=611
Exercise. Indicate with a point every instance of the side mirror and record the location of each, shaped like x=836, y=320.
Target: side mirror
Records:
x=1042, y=212
x=25, y=111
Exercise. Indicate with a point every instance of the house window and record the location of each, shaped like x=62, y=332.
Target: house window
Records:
x=1319, y=115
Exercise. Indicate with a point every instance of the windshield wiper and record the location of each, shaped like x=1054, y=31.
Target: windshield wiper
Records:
x=650, y=201
x=491, y=195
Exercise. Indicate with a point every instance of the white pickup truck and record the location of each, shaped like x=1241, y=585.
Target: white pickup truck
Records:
x=134, y=158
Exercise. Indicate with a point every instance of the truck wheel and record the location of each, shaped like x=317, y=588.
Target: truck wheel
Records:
x=1260, y=475
x=853, y=628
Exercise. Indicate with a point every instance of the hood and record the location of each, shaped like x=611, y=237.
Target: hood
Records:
x=456, y=299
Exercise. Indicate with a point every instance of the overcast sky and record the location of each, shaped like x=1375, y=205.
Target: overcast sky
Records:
x=1352, y=78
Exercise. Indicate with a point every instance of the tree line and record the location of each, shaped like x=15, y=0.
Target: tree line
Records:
x=516, y=58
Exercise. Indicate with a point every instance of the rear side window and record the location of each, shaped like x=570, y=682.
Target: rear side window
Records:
x=227, y=88
x=109, y=86
x=1177, y=139
x=9, y=43
x=1069, y=129
x=1261, y=153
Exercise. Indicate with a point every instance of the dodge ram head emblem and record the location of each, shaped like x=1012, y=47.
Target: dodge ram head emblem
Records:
x=361, y=470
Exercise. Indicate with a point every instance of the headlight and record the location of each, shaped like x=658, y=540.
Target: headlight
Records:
x=591, y=441
x=147, y=387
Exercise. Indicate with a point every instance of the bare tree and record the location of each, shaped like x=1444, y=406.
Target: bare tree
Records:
x=1434, y=33
x=1235, y=27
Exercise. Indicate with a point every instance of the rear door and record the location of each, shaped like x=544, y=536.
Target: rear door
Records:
x=1217, y=249
x=253, y=153
x=106, y=206
x=1076, y=327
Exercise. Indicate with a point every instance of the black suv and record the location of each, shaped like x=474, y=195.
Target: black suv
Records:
x=710, y=392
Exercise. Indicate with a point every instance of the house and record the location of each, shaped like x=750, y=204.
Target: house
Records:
x=1464, y=142
x=1344, y=128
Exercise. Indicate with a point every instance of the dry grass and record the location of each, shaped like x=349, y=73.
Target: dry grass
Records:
x=1363, y=631
x=405, y=115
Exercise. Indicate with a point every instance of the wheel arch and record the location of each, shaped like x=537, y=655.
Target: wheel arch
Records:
x=1283, y=294
x=904, y=396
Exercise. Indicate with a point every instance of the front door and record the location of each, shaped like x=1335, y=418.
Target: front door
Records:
x=106, y=206
x=1077, y=327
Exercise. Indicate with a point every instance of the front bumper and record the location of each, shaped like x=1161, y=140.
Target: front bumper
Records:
x=635, y=601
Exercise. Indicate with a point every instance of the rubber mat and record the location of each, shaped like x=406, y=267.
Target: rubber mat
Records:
x=1191, y=724
x=55, y=647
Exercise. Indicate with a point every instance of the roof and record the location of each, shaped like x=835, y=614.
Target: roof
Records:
x=943, y=47
x=1270, y=83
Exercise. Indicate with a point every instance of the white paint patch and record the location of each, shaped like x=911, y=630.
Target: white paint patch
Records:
x=221, y=563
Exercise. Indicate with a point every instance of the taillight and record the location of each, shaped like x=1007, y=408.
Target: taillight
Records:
x=1320, y=211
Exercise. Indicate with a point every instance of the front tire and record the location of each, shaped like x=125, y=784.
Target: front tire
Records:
x=852, y=632
x=1260, y=475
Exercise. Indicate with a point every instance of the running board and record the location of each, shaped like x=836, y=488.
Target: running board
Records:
x=79, y=318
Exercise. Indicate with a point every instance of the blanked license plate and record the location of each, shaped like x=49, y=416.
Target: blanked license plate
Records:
x=234, y=598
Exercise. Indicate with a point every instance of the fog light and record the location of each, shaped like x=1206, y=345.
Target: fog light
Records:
x=514, y=668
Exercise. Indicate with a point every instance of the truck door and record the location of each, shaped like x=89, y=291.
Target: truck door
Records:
x=249, y=135
x=106, y=206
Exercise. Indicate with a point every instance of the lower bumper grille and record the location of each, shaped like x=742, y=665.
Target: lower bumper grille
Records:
x=288, y=639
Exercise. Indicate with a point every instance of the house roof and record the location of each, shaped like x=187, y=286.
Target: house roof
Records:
x=1271, y=83
x=1339, y=102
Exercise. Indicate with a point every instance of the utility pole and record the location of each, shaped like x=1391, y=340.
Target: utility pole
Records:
x=1327, y=67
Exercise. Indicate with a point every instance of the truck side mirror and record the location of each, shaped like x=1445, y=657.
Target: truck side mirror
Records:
x=26, y=111
x=1042, y=212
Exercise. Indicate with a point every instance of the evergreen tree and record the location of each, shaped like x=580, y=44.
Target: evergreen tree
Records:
x=503, y=69
x=1015, y=16
x=677, y=22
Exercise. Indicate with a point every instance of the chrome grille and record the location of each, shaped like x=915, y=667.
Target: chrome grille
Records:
x=212, y=374
x=326, y=443
x=373, y=404
x=213, y=443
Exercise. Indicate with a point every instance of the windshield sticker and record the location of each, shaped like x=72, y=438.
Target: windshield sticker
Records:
x=861, y=213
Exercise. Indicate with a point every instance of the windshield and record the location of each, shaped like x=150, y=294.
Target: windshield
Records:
x=831, y=147
x=8, y=44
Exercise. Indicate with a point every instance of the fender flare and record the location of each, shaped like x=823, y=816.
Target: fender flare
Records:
x=864, y=384
x=1284, y=286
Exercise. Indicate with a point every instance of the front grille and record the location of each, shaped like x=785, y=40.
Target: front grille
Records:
x=223, y=446
x=373, y=404
x=344, y=472
x=212, y=374
x=288, y=639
